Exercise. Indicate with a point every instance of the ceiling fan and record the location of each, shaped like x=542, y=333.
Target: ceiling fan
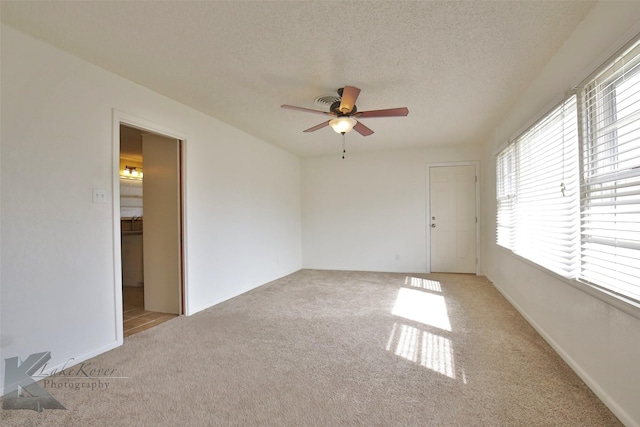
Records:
x=345, y=112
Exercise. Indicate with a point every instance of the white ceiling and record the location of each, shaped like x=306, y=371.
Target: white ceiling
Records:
x=457, y=66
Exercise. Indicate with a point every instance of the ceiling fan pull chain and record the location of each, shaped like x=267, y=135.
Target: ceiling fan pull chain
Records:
x=344, y=150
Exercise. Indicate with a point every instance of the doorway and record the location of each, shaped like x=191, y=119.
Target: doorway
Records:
x=453, y=218
x=151, y=228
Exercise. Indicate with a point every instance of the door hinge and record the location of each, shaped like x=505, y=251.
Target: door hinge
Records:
x=476, y=178
x=476, y=220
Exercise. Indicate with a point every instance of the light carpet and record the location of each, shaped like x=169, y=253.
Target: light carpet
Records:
x=336, y=348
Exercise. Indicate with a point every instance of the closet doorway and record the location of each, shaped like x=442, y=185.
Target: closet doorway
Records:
x=151, y=228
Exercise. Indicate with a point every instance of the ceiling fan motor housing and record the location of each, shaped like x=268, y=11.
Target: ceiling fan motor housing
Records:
x=335, y=107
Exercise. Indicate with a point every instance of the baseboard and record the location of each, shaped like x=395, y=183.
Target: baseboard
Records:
x=618, y=411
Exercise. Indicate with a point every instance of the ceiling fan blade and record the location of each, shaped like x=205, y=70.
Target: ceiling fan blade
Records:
x=362, y=129
x=349, y=97
x=307, y=110
x=390, y=112
x=316, y=127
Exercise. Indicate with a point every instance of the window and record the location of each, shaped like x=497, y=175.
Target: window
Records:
x=506, y=197
x=610, y=220
x=538, y=203
x=570, y=201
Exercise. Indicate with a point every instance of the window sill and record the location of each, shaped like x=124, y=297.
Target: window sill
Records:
x=619, y=302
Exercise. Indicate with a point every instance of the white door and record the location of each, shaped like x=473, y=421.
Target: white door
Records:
x=161, y=235
x=453, y=218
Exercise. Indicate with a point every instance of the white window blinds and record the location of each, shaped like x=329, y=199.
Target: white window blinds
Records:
x=538, y=192
x=570, y=201
x=506, y=197
x=610, y=199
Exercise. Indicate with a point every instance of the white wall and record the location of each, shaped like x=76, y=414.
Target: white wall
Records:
x=600, y=342
x=58, y=288
x=360, y=212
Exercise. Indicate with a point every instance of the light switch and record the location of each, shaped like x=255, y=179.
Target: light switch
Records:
x=99, y=196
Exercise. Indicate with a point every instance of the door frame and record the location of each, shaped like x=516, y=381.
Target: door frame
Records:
x=427, y=217
x=122, y=118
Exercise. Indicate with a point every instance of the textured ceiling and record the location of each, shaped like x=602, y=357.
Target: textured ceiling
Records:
x=457, y=66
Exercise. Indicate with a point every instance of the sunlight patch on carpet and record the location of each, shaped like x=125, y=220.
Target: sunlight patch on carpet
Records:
x=423, y=307
x=417, y=282
x=432, y=351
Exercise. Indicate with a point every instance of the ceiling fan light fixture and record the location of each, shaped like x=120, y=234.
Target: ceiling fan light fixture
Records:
x=343, y=124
